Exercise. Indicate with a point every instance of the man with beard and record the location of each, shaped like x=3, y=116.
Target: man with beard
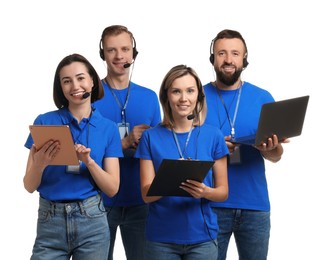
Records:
x=234, y=106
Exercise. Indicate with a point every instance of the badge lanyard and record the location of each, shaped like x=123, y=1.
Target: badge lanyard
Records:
x=122, y=108
x=186, y=143
x=232, y=123
x=75, y=169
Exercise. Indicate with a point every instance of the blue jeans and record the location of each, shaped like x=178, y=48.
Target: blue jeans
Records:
x=76, y=229
x=251, y=230
x=132, y=223
x=167, y=251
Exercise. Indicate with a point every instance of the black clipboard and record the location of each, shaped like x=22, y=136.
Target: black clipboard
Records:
x=43, y=133
x=172, y=173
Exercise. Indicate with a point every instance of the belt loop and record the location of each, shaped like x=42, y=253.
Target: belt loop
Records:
x=52, y=209
x=81, y=207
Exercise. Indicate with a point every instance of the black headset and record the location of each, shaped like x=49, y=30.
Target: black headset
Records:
x=201, y=96
x=101, y=50
x=211, y=57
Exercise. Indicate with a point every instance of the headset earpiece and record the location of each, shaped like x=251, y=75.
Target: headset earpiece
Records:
x=201, y=97
x=101, y=51
x=245, y=62
x=135, y=53
x=211, y=58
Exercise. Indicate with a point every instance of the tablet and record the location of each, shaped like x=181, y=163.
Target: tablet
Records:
x=172, y=173
x=43, y=133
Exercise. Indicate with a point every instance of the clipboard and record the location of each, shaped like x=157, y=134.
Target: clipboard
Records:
x=172, y=173
x=43, y=133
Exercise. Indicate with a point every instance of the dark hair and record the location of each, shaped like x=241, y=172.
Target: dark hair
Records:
x=200, y=108
x=228, y=34
x=115, y=30
x=58, y=95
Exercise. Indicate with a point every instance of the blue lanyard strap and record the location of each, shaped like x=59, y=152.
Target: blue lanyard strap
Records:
x=232, y=123
x=76, y=140
x=122, y=107
x=186, y=143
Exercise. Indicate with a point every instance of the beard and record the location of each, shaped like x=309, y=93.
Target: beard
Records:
x=228, y=80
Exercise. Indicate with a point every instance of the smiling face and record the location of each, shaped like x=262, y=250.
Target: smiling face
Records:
x=183, y=96
x=229, y=55
x=118, y=51
x=75, y=82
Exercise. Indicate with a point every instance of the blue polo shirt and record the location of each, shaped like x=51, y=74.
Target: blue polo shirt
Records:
x=141, y=106
x=98, y=133
x=247, y=180
x=182, y=220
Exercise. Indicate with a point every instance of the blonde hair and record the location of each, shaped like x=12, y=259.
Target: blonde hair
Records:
x=200, y=109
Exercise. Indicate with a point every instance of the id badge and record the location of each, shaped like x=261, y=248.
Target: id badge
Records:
x=235, y=157
x=74, y=169
x=123, y=129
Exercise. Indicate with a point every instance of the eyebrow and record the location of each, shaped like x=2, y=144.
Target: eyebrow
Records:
x=79, y=74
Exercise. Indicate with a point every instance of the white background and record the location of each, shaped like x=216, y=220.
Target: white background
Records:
x=290, y=54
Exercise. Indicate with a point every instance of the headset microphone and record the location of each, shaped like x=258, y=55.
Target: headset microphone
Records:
x=85, y=95
x=191, y=116
x=127, y=65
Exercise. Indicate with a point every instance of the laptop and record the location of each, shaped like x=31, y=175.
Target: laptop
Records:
x=283, y=118
x=172, y=173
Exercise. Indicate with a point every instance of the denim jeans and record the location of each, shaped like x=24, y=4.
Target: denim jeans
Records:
x=132, y=223
x=76, y=229
x=251, y=231
x=167, y=251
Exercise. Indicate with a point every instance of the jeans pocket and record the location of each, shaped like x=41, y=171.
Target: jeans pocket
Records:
x=43, y=216
x=95, y=211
